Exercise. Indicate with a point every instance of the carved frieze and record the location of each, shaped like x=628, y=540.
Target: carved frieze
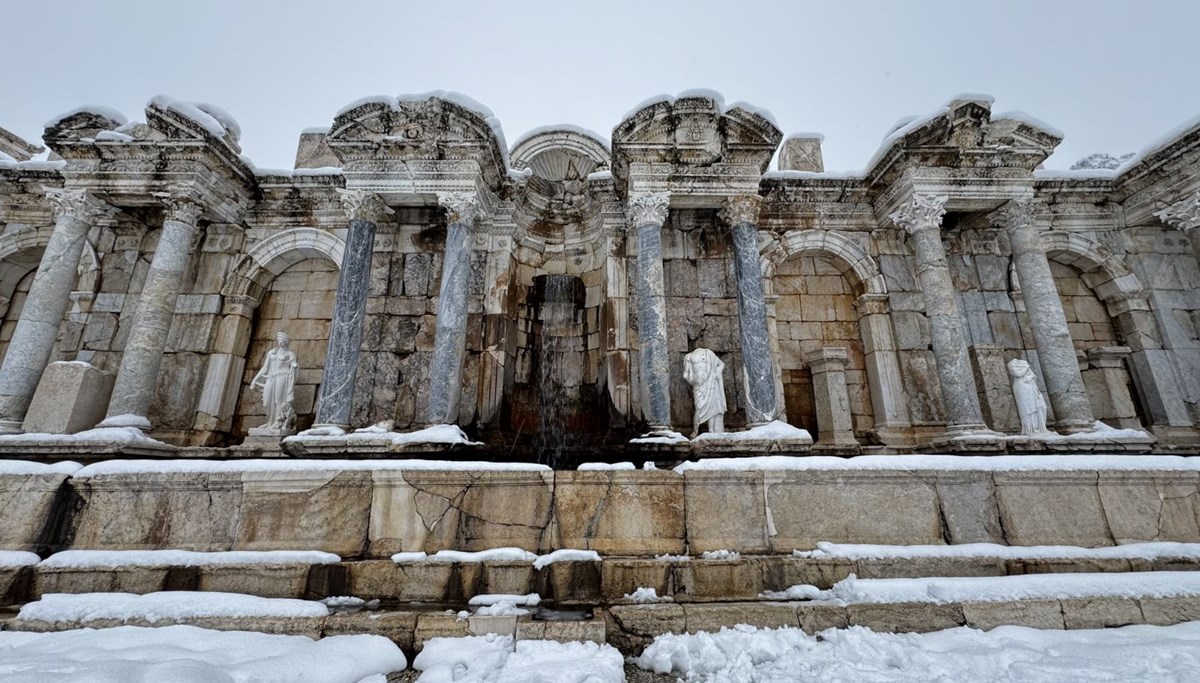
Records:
x=1184, y=215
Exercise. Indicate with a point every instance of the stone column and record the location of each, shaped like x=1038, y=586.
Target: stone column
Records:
x=834, y=424
x=33, y=339
x=1185, y=216
x=450, y=340
x=922, y=219
x=133, y=391
x=741, y=213
x=365, y=210
x=647, y=213
x=223, y=377
x=1107, y=378
x=1047, y=322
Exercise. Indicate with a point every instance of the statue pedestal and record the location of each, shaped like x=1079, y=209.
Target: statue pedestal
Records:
x=774, y=438
x=1105, y=441
x=982, y=441
x=377, y=442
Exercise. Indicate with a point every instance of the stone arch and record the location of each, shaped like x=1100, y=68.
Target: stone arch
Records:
x=20, y=253
x=270, y=257
x=1100, y=268
x=881, y=361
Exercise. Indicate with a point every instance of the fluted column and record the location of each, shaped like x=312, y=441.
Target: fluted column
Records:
x=365, y=211
x=741, y=213
x=922, y=219
x=450, y=340
x=1055, y=350
x=75, y=211
x=647, y=213
x=1185, y=216
x=133, y=391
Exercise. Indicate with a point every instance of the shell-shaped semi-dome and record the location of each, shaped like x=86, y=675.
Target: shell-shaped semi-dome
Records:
x=562, y=152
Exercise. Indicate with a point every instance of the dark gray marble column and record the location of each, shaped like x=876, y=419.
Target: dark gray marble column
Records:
x=1047, y=321
x=365, y=209
x=922, y=218
x=450, y=340
x=33, y=339
x=133, y=391
x=647, y=213
x=741, y=213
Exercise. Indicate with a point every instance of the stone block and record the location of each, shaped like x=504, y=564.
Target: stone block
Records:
x=584, y=631
x=780, y=573
x=1051, y=508
x=905, y=617
x=263, y=580
x=398, y=627
x=723, y=514
x=968, y=505
x=1168, y=611
x=1144, y=507
x=817, y=617
x=1106, y=612
x=28, y=503
x=15, y=584
x=492, y=624
x=568, y=583
x=720, y=580
x=71, y=397
x=1043, y=614
x=438, y=625
x=312, y=509
x=622, y=576
x=711, y=618
x=916, y=567
x=620, y=512
x=138, y=580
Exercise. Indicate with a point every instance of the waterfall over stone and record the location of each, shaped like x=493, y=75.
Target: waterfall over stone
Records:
x=560, y=366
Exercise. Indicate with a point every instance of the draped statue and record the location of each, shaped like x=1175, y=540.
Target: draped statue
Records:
x=278, y=380
x=705, y=372
x=1030, y=404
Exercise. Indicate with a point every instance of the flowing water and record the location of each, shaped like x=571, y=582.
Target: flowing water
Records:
x=559, y=369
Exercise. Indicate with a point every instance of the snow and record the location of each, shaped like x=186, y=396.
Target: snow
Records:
x=644, y=594
x=99, y=110
x=605, y=466
x=902, y=128
x=1007, y=653
x=668, y=437
x=494, y=659
x=492, y=555
x=167, y=466
x=720, y=555
x=17, y=558
x=667, y=557
x=386, y=100
x=566, y=555
x=106, y=434
x=503, y=608
x=797, y=592
x=942, y=590
x=804, y=135
x=1141, y=551
x=450, y=434
x=316, y=130
x=216, y=124
x=563, y=128
x=412, y=556
x=300, y=173
x=717, y=98
x=802, y=175
x=127, y=420
x=600, y=176
x=8, y=467
x=775, y=430
x=530, y=600
x=995, y=463
x=183, y=558
x=166, y=605
x=972, y=97
x=1160, y=143
x=1056, y=174
x=186, y=654
x=1029, y=120
x=113, y=136
x=754, y=109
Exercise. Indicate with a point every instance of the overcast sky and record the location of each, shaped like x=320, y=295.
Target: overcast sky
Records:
x=1112, y=75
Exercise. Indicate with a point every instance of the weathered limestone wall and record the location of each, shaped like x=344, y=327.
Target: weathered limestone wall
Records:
x=12, y=313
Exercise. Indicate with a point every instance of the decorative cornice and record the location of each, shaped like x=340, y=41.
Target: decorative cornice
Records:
x=363, y=206
x=648, y=207
x=183, y=209
x=742, y=208
x=1016, y=213
x=924, y=211
x=461, y=207
x=1183, y=215
x=77, y=205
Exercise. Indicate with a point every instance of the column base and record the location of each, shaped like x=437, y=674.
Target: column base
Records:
x=968, y=439
x=11, y=427
x=128, y=420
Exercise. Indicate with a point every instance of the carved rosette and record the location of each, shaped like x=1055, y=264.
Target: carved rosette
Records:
x=363, y=206
x=461, y=207
x=183, y=209
x=1184, y=215
x=924, y=211
x=1017, y=213
x=77, y=205
x=742, y=208
x=648, y=207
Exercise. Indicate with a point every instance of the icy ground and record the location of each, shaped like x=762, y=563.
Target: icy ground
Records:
x=186, y=654
x=963, y=655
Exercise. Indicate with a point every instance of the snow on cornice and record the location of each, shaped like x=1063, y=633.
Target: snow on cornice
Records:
x=99, y=110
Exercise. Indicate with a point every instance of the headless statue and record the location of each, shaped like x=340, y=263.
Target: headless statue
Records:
x=1030, y=404
x=705, y=372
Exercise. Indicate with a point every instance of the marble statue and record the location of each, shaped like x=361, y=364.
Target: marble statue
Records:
x=278, y=380
x=705, y=372
x=1030, y=404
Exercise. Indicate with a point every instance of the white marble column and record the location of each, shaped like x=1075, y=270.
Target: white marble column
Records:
x=834, y=424
x=450, y=340
x=1047, y=322
x=1185, y=217
x=133, y=391
x=75, y=211
x=365, y=210
x=883, y=367
x=647, y=213
x=922, y=219
x=741, y=213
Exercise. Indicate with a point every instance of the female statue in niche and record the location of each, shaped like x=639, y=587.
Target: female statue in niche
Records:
x=705, y=372
x=1030, y=404
x=278, y=380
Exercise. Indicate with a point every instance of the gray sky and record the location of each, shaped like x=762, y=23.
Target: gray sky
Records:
x=1112, y=75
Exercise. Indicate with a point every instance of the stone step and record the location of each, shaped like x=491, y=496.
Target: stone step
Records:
x=586, y=583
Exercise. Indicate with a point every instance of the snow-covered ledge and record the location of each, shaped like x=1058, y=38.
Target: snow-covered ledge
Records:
x=378, y=440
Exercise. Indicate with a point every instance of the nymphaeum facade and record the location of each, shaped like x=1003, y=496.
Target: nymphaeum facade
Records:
x=406, y=257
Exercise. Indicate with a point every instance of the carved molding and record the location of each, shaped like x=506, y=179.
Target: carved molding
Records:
x=1184, y=215
x=648, y=207
x=1017, y=213
x=461, y=207
x=183, y=209
x=924, y=211
x=742, y=208
x=77, y=205
x=363, y=206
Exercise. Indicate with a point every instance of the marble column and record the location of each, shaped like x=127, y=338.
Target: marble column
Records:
x=223, y=376
x=922, y=219
x=133, y=392
x=1047, y=322
x=741, y=213
x=450, y=339
x=29, y=350
x=835, y=426
x=1185, y=217
x=365, y=211
x=647, y=212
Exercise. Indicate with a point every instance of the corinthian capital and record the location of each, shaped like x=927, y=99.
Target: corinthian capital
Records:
x=648, y=207
x=183, y=209
x=924, y=211
x=461, y=207
x=75, y=204
x=1184, y=215
x=742, y=208
x=1017, y=213
x=363, y=206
